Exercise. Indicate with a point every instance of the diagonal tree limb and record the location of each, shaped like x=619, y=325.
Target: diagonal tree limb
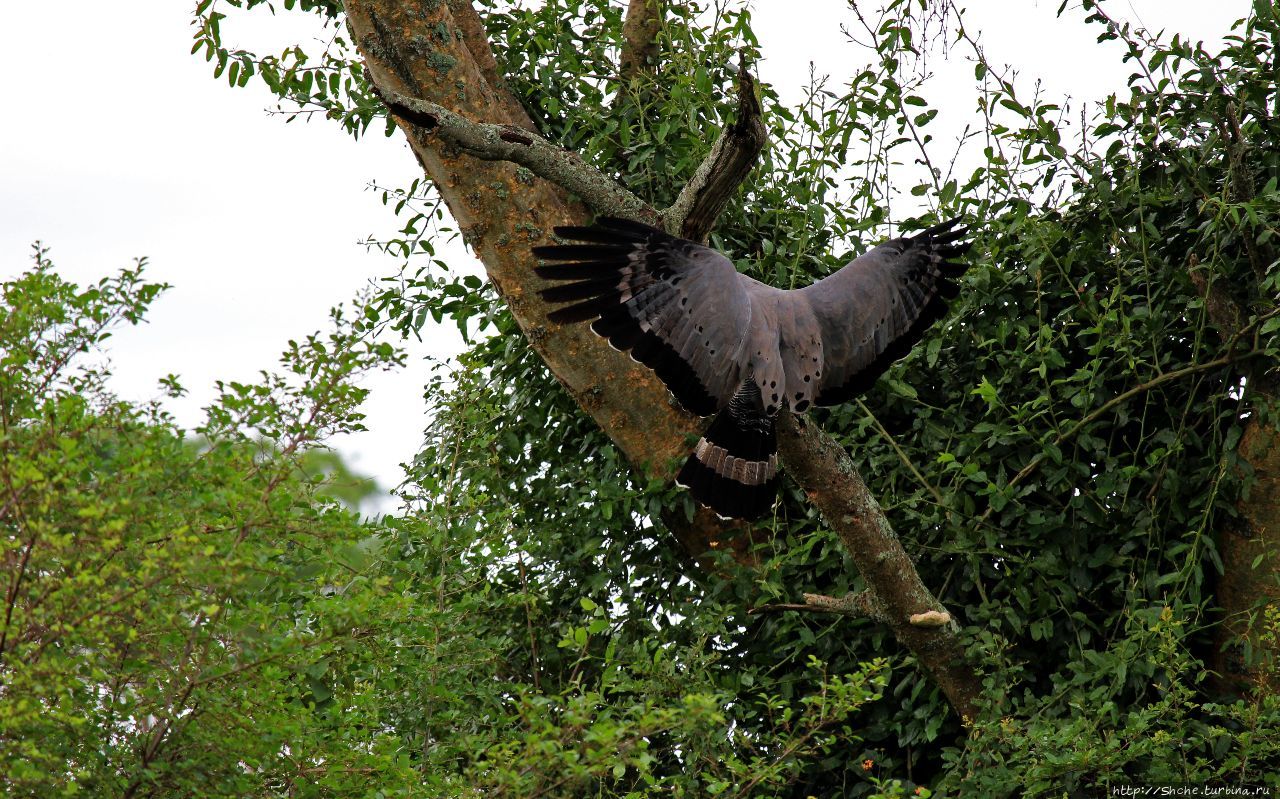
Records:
x=824, y=470
x=732, y=157
x=567, y=170
x=863, y=604
x=417, y=50
x=422, y=51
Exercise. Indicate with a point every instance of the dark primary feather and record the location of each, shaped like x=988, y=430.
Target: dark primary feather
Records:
x=667, y=301
x=728, y=345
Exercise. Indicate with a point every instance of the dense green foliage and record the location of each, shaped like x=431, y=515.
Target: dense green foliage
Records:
x=198, y=619
x=176, y=616
x=1058, y=454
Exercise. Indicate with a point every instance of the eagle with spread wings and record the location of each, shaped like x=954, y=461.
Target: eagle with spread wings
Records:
x=728, y=345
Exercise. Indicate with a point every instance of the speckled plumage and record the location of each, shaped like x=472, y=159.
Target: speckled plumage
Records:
x=729, y=345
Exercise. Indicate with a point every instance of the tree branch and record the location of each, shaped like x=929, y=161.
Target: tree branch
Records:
x=492, y=142
x=640, y=38
x=831, y=482
x=476, y=39
x=732, y=157
x=861, y=605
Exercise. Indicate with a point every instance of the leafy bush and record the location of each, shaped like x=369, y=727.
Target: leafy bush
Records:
x=175, y=614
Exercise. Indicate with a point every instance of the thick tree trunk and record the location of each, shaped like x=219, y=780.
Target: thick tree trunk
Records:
x=436, y=52
x=1250, y=551
x=1250, y=544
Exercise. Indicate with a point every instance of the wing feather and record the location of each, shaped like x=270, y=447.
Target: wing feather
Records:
x=675, y=306
x=875, y=309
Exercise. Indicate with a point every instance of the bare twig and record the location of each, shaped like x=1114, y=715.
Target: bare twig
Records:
x=902, y=456
x=732, y=157
x=11, y=596
x=534, y=666
x=861, y=605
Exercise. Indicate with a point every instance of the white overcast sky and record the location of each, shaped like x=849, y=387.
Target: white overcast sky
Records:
x=117, y=143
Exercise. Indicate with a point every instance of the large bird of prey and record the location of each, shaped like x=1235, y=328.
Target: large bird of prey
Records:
x=728, y=345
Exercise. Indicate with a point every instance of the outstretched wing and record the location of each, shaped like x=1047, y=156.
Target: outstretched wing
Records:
x=676, y=306
x=872, y=312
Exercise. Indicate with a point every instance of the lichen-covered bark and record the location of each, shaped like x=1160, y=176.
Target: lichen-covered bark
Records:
x=489, y=142
x=472, y=35
x=419, y=49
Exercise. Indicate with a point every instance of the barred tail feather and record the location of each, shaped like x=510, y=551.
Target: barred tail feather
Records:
x=734, y=469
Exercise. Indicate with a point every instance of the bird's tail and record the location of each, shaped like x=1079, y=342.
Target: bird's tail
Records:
x=734, y=468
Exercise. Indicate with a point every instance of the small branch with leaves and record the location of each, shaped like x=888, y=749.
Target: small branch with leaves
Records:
x=519, y=146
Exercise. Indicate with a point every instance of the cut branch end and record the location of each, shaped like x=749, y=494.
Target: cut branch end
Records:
x=732, y=157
